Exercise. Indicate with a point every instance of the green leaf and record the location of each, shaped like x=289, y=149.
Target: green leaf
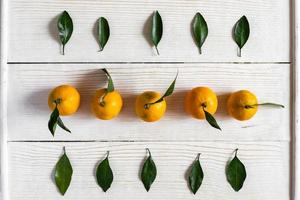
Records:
x=56, y=120
x=53, y=121
x=196, y=175
x=148, y=174
x=211, y=120
x=61, y=125
x=236, y=173
x=241, y=32
x=169, y=92
x=63, y=173
x=103, y=32
x=157, y=29
x=200, y=30
x=65, y=28
x=104, y=174
x=110, y=85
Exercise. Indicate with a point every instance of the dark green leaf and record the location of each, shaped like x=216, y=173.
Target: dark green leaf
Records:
x=236, y=173
x=196, y=175
x=169, y=92
x=157, y=29
x=200, y=30
x=211, y=120
x=241, y=32
x=148, y=174
x=61, y=124
x=104, y=174
x=110, y=85
x=63, y=173
x=53, y=120
x=103, y=32
x=65, y=28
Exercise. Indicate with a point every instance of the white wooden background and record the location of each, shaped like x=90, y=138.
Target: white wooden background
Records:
x=33, y=65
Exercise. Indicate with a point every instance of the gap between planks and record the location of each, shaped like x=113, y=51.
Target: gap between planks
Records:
x=30, y=63
x=133, y=141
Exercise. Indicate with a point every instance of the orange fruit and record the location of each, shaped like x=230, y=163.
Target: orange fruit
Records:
x=67, y=98
x=109, y=107
x=200, y=98
x=242, y=105
x=153, y=112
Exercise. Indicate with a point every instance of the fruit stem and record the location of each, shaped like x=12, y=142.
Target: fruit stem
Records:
x=203, y=105
x=57, y=101
x=147, y=106
x=101, y=100
x=264, y=104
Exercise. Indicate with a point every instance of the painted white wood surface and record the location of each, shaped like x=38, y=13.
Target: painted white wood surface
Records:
x=32, y=164
x=29, y=85
x=264, y=141
x=33, y=32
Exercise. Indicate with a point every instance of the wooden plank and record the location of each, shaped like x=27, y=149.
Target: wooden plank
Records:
x=33, y=32
x=29, y=86
x=31, y=169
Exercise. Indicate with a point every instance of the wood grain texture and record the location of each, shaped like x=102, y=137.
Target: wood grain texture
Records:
x=33, y=33
x=29, y=86
x=31, y=169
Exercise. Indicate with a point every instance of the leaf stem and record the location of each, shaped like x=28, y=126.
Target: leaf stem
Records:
x=147, y=149
x=235, y=151
x=64, y=149
x=107, y=154
x=270, y=104
x=63, y=53
x=200, y=50
x=198, y=156
x=156, y=50
x=239, y=52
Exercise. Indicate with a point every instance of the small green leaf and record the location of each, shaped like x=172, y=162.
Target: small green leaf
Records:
x=104, y=174
x=200, y=30
x=211, y=120
x=148, y=174
x=157, y=29
x=61, y=125
x=169, y=92
x=196, y=175
x=53, y=120
x=236, y=173
x=63, y=173
x=241, y=32
x=110, y=85
x=65, y=28
x=56, y=120
x=103, y=32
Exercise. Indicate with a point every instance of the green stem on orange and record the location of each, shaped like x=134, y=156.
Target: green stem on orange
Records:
x=264, y=104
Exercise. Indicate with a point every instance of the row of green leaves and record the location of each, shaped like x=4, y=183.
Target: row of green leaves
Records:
x=235, y=173
x=241, y=30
